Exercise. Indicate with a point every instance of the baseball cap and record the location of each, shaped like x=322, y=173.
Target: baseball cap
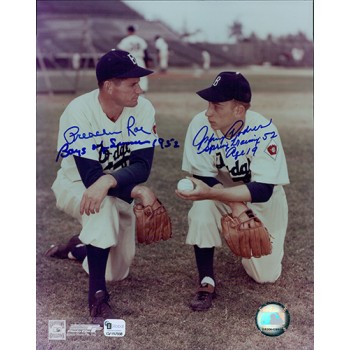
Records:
x=228, y=86
x=119, y=64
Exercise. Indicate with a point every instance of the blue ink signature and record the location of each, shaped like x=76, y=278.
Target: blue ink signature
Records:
x=131, y=122
x=230, y=142
x=71, y=135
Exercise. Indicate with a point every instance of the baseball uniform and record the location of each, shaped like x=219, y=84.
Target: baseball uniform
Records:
x=136, y=46
x=254, y=154
x=162, y=47
x=86, y=131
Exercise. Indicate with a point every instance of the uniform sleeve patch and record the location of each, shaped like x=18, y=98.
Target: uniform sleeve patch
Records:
x=272, y=150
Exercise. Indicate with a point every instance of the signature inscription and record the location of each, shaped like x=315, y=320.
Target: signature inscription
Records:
x=206, y=142
x=72, y=134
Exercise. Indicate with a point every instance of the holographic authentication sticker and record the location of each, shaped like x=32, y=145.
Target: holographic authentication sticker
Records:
x=272, y=319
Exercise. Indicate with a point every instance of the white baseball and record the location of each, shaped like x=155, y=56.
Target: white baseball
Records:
x=185, y=185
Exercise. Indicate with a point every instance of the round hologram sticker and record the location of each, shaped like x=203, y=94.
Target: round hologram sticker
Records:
x=272, y=319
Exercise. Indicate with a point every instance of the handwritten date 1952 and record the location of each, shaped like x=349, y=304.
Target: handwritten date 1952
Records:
x=166, y=143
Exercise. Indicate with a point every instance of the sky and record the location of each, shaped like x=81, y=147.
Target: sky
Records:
x=278, y=17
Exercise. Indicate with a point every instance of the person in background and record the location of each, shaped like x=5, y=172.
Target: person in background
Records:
x=163, y=53
x=137, y=47
x=206, y=60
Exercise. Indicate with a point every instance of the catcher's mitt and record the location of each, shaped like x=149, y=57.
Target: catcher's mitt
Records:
x=246, y=237
x=152, y=223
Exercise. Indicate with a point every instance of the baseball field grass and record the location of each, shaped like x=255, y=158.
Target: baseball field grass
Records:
x=153, y=299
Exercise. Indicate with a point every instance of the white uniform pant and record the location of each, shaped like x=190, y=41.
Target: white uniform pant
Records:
x=113, y=226
x=204, y=231
x=143, y=80
x=163, y=60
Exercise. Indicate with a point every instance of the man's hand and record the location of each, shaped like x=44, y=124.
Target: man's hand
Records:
x=144, y=194
x=200, y=192
x=95, y=194
x=152, y=219
x=203, y=191
x=238, y=210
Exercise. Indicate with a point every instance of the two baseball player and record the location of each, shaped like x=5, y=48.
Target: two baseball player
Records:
x=106, y=143
x=237, y=161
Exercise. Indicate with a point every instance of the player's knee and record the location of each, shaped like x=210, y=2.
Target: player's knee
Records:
x=265, y=279
x=268, y=276
x=262, y=275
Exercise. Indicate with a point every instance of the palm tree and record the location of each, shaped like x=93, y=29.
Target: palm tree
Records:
x=235, y=31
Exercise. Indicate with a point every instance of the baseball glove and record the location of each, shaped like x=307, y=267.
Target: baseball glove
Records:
x=246, y=237
x=152, y=223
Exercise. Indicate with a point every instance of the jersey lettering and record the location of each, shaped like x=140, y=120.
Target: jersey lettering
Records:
x=219, y=162
x=118, y=158
x=241, y=172
x=135, y=47
x=122, y=163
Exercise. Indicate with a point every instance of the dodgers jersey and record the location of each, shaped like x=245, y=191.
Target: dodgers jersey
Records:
x=135, y=45
x=86, y=131
x=254, y=153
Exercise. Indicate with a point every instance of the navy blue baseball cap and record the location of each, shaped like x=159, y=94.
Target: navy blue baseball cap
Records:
x=119, y=64
x=228, y=86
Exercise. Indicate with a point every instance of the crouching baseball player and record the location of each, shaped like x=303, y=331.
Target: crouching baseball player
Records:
x=238, y=166
x=106, y=142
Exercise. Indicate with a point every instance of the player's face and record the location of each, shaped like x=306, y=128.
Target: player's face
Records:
x=126, y=92
x=221, y=115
